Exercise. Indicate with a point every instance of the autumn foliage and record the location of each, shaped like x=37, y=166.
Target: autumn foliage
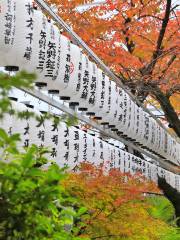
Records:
x=138, y=40
x=125, y=33
x=116, y=207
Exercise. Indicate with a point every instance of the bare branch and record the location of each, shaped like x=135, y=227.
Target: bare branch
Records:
x=149, y=69
x=144, y=16
x=176, y=18
x=176, y=6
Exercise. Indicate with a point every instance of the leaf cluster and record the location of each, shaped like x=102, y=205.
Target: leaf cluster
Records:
x=34, y=204
x=116, y=206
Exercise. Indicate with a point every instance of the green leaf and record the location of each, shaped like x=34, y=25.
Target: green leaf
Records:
x=81, y=211
x=25, y=186
x=3, y=134
x=35, y=172
x=54, y=174
x=15, y=137
x=29, y=157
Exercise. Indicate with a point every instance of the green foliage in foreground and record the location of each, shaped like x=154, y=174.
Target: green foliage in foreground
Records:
x=34, y=205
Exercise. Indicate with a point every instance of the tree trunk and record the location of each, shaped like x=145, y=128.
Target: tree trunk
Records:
x=168, y=109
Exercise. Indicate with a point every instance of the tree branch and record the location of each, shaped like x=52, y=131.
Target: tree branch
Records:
x=176, y=6
x=176, y=18
x=148, y=15
x=173, y=90
x=167, y=108
x=149, y=69
x=173, y=58
x=147, y=39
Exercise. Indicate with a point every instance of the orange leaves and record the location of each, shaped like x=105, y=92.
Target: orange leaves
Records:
x=111, y=5
x=175, y=101
x=115, y=206
x=112, y=187
x=124, y=35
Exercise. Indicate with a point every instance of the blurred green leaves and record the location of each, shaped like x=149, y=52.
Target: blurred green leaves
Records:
x=34, y=205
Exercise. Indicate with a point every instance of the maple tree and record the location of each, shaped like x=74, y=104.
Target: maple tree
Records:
x=138, y=40
x=114, y=205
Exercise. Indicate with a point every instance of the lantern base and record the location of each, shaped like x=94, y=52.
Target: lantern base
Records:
x=82, y=109
x=43, y=112
x=104, y=123
x=41, y=84
x=114, y=130
x=65, y=98
x=13, y=99
x=90, y=114
x=11, y=68
x=112, y=126
x=119, y=133
x=54, y=92
x=97, y=118
x=73, y=104
x=123, y=135
x=144, y=147
x=92, y=134
x=29, y=105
